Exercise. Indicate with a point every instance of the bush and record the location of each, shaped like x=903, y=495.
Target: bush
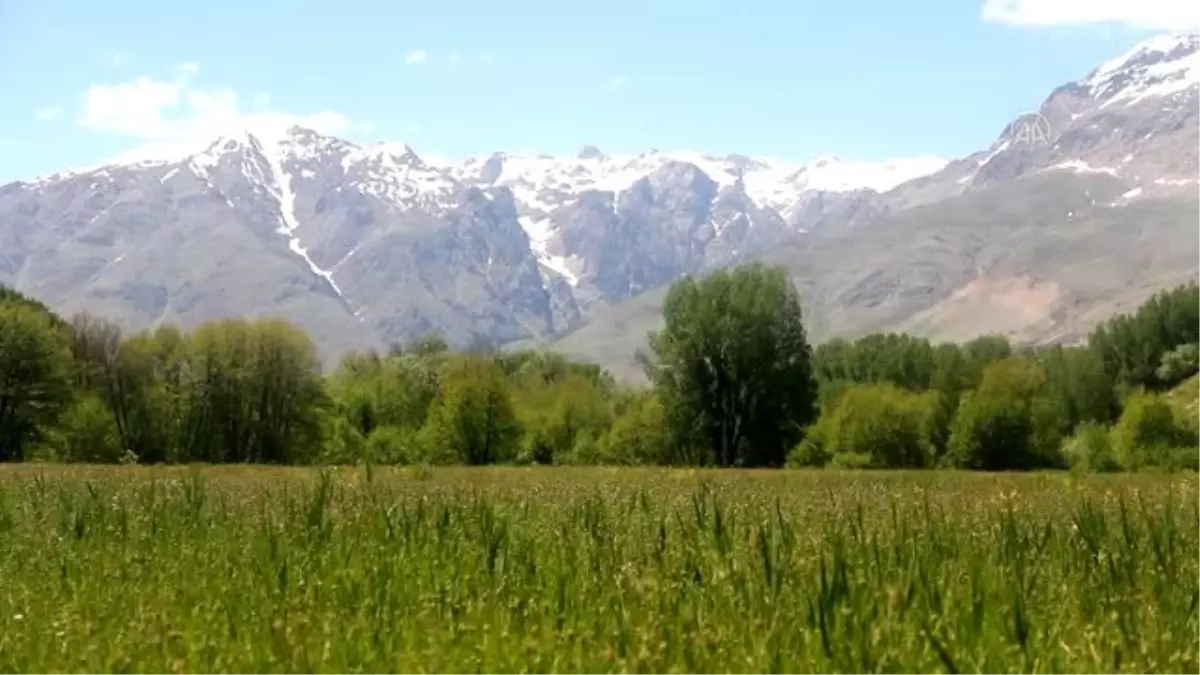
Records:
x=882, y=422
x=390, y=445
x=638, y=435
x=1184, y=457
x=1150, y=435
x=1009, y=422
x=852, y=460
x=1090, y=449
x=343, y=443
x=809, y=452
x=1179, y=364
x=86, y=432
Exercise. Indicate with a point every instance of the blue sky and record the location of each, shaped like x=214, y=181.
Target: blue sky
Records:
x=869, y=79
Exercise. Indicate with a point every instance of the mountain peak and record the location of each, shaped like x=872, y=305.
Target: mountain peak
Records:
x=1159, y=66
x=590, y=152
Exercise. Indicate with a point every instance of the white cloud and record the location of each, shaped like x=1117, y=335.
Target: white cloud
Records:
x=189, y=68
x=134, y=108
x=46, y=114
x=616, y=82
x=172, y=119
x=1171, y=15
x=414, y=57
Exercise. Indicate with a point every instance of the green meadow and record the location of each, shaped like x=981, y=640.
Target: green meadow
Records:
x=365, y=569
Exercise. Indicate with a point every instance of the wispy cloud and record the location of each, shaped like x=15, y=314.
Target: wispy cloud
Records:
x=46, y=114
x=453, y=57
x=173, y=118
x=414, y=57
x=117, y=59
x=188, y=68
x=616, y=82
x=1172, y=15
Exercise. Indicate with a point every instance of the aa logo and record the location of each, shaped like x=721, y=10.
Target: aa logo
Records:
x=1031, y=128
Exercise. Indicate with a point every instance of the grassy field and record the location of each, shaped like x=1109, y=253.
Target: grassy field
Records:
x=507, y=569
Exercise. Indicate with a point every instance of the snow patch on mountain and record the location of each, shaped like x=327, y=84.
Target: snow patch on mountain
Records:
x=1175, y=181
x=395, y=173
x=1080, y=166
x=544, y=182
x=837, y=175
x=540, y=231
x=1160, y=66
x=274, y=152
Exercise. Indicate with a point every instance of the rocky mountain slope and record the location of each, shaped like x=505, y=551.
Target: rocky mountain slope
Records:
x=371, y=245
x=367, y=245
x=1077, y=210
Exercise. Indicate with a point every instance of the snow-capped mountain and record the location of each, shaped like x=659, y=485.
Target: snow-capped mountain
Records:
x=369, y=244
x=510, y=246
x=1133, y=117
x=543, y=184
x=1159, y=67
x=1083, y=206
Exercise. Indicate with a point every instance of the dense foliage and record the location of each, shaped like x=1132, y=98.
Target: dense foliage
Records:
x=734, y=382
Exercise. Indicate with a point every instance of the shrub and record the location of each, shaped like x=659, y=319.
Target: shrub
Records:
x=1179, y=364
x=638, y=435
x=1090, y=449
x=86, y=432
x=343, y=444
x=809, y=452
x=390, y=445
x=1149, y=434
x=1009, y=422
x=881, y=422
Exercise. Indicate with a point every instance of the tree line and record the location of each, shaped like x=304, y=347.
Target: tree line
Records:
x=733, y=381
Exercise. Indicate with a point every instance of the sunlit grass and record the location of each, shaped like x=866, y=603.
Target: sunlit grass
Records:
x=515, y=569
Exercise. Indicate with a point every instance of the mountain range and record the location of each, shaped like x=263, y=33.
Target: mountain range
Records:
x=1076, y=210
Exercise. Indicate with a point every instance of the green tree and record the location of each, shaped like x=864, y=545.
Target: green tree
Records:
x=903, y=360
x=1009, y=422
x=1132, y=346
x=253, y=392
x=394, y=391
x=1077, y=379
x=123, y=374
x=35, y=375
x=472, y=416
x=732, y=367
